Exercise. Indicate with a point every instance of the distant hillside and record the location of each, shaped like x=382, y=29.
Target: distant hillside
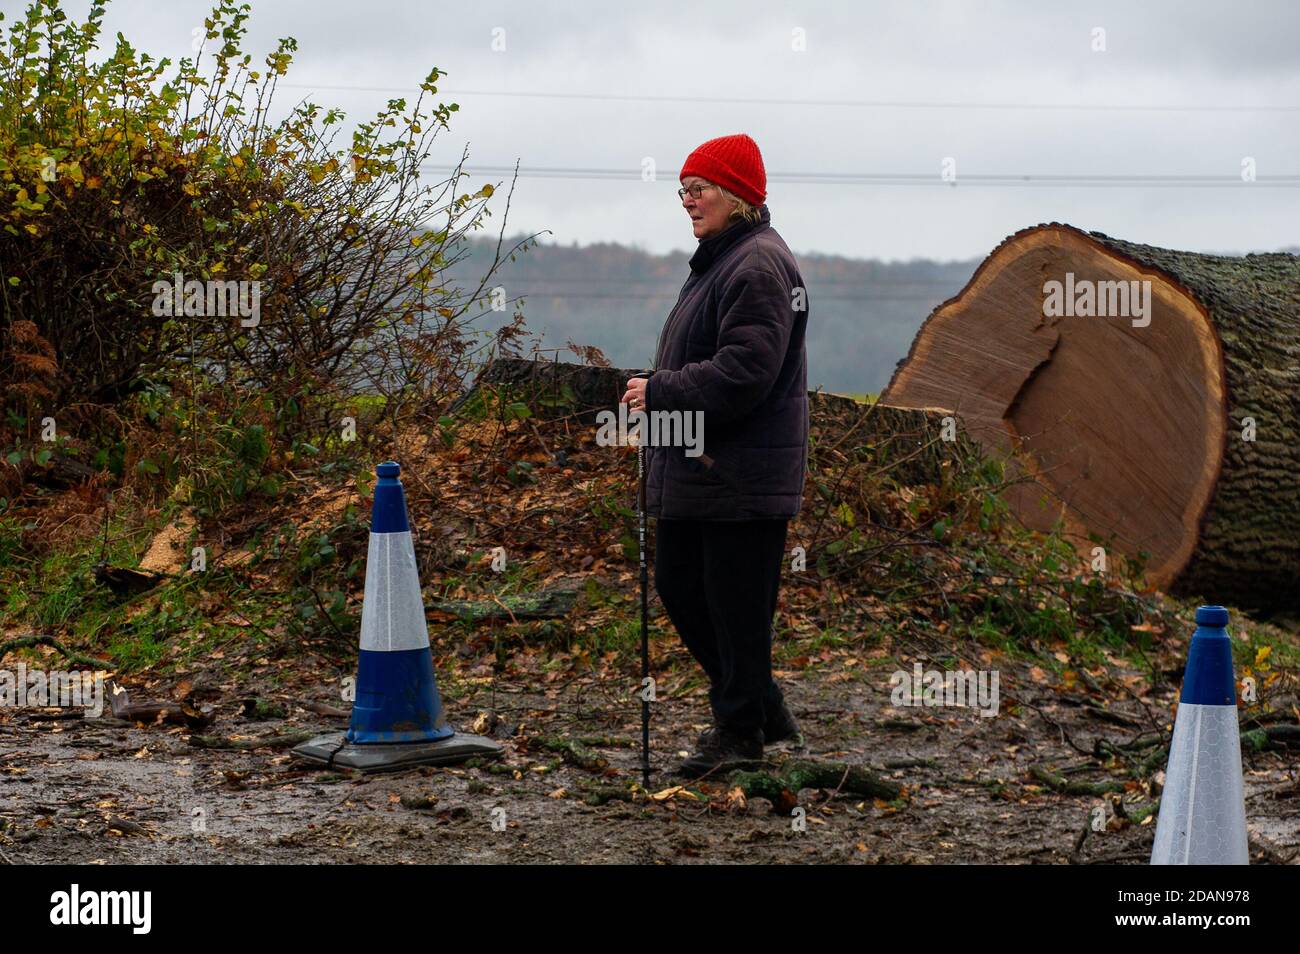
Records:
x=863, y=313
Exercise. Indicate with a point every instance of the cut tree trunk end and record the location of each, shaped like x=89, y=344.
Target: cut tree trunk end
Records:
x=1173, y=433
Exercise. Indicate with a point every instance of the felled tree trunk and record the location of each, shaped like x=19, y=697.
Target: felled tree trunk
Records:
x=560, y=386
x=1134, y=429
x=903, y=438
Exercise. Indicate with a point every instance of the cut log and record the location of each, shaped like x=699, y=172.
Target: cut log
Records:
x=903, y=438
x=1133, y=428
x=63, y=471
x=561, y=387
x=124, y=581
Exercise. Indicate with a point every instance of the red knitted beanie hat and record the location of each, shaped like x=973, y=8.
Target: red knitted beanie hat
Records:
x=732, y=162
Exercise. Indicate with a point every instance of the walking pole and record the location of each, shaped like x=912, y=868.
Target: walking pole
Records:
x=645, y=615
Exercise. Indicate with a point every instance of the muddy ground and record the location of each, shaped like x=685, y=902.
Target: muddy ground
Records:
x=108, y=791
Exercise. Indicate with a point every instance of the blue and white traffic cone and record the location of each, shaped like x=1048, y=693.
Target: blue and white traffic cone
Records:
x=397, y=717
x=396, y=695
x=1202, y=809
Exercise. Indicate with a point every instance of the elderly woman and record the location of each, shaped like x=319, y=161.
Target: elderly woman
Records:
x=732, y=350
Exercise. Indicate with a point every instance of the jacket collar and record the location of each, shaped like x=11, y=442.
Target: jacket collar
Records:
x=711, y=249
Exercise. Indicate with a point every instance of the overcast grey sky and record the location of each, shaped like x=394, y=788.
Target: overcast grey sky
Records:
x=1243, y=54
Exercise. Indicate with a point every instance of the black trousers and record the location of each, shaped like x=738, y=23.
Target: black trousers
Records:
x=718, y=581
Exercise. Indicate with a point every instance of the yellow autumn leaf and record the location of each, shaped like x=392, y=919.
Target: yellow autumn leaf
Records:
x=674, y=791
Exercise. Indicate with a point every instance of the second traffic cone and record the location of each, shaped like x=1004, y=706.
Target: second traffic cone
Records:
x=397, y=717
x=396, y=697
x=1202, y=809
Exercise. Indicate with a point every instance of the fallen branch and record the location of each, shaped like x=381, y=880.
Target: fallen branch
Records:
x=321, y=708
x=123, y=826
x=1076, y=853
x=1111, y=716
x=60, y=716
x=28, y=642
x=153, y=713
x=1153, y=761
x=1285, y=787
x=1064, y=786
x=545, y=604
x=609, y=741
x=599, y=794
x=419, y=802
x=1139, y=814
x=274, y=741
x=783, y=790
x=495, y=768
x=1271, y=737
x=575, y=753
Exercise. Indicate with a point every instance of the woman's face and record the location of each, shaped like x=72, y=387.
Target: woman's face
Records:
x=709, y=213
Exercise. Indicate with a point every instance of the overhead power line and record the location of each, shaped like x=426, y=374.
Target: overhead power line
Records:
x=850, y=103
x=661, y=282
x=651, y=296
x=997, y=180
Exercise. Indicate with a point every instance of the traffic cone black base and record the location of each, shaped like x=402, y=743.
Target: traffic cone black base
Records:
x=332, y=750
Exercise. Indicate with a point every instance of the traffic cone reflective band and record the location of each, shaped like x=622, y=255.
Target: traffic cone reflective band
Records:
x=397, y=718
x=396, y=694
x=1202, y=809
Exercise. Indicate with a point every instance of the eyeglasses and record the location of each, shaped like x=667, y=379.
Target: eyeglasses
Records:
x=694, y=190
